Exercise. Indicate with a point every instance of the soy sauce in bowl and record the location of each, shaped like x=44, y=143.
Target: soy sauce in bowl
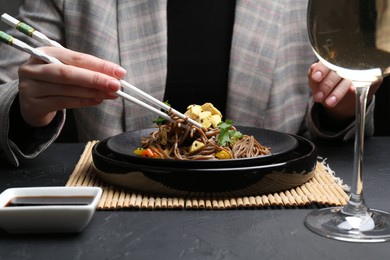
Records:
x=28, y=201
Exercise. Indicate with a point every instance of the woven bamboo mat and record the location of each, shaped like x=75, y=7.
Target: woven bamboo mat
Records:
x=323, y=189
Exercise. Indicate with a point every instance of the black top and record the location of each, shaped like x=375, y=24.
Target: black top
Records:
x=199, y=41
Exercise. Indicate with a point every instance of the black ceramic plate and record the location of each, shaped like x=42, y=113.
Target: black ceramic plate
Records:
x=293, y=170
x=280, y=143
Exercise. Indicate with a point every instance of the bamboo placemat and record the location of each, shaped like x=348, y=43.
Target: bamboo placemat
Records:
x=323, y=189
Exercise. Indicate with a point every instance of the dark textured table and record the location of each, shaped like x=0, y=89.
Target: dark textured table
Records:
x=277, y=233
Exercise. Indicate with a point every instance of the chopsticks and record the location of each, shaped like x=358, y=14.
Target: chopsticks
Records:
x=31, y=32
x=28, y=30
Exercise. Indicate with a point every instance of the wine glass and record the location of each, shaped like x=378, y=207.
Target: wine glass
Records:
x=352, y=37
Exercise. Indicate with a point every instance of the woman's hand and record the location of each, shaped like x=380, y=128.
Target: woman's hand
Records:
x=83, y=80
x=337, y=95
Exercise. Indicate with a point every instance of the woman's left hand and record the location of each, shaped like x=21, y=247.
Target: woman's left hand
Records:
x=336, y=94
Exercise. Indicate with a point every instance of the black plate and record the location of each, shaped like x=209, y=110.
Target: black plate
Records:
x=280, y=143
x=293, y=170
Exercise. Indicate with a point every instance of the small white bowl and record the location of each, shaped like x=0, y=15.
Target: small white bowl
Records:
x=55, y=218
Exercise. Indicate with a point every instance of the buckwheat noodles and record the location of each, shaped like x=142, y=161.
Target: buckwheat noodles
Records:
x=172, y=141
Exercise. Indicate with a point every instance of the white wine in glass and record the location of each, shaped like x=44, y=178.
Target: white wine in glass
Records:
x=352, y=37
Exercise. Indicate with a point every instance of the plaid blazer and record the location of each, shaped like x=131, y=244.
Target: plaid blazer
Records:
x=267, y=85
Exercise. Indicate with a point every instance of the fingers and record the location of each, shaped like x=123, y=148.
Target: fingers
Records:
x=83, y=80
x=86, y=61
x=327, y=86
x=337, y=95
x=78, y=69
x=82, y=70
x=41, y=90
x=40, y=100
x=332, y=90
x=33, y=109
x=38, y=112
x=69, y=75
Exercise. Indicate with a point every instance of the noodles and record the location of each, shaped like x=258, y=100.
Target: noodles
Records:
x=174, y=140
x=248, y=147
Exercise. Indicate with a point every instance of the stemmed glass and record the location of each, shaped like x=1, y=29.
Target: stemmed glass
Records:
x=352, y=37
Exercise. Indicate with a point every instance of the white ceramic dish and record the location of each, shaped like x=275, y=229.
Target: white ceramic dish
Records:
x=57, y=217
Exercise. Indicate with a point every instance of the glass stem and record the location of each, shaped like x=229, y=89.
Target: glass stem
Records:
x=356, y=204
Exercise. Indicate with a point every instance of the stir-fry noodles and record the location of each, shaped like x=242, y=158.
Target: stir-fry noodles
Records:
x=217, y=140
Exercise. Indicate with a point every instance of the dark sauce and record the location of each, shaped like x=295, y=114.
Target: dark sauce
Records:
x=50, y=201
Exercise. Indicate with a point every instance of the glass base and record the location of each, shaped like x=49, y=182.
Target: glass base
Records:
x=374, y=226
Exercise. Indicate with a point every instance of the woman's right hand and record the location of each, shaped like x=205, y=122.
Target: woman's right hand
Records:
x=83, y=80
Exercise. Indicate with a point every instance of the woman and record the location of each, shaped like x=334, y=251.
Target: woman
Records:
x=249, y=58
